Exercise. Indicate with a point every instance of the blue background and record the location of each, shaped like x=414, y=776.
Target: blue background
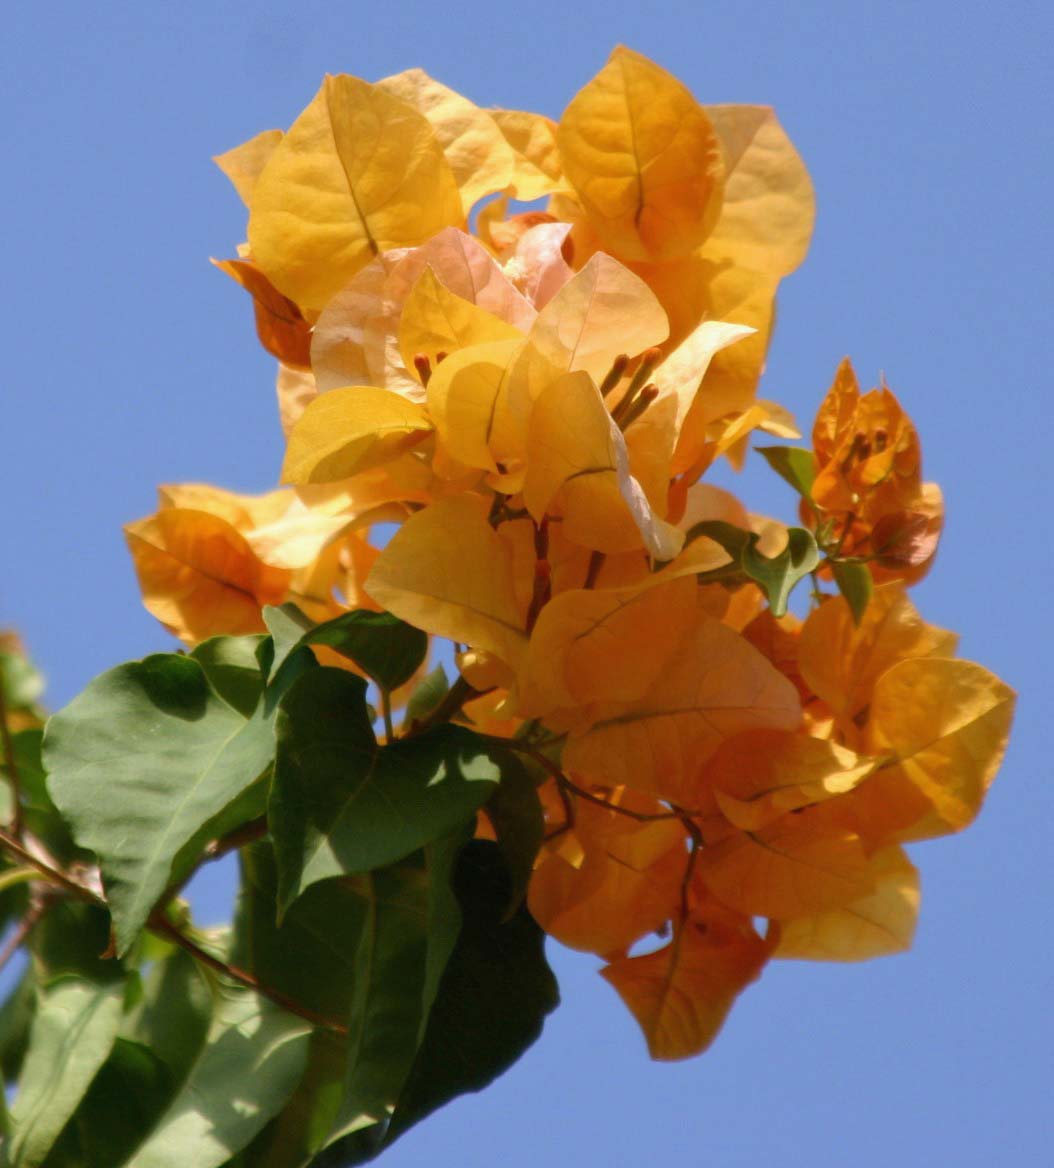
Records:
x=128, y=361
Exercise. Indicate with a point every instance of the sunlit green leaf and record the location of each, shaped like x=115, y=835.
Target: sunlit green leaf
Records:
x=144, y=764
x=70, y=1038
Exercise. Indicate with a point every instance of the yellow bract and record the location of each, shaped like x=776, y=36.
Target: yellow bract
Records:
x=430, y=576
x=946, y=723
x=644, y=160
x=359, y=172
x=878, y=923
x=532, y=138
x=480, y=158
x=350, y=430
x=435, y=321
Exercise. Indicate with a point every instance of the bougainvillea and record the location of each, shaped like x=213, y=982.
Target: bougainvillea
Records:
x=499, y=423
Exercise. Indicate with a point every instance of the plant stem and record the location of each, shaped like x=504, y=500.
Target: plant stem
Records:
x=386, y=711
x=459, y=693
x=8, y=743
x=24, y=927
x=53, y=874
x=163, y=927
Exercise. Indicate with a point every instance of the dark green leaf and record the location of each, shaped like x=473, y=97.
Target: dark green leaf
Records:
x=386, y=648
x=70, y=1038
x=71, y=938
x=493, y=997
x=118, y=1111
x=411, y=930
x=775, y=575
x=515, y=813
x=16, y=1015
x=232, y=666
x=312, y=956
x=40, y=816
x=793, y=464
x=173, y=1017
x=143, y=765
x=855, y=584
x=255, y=1055
x=340, y=804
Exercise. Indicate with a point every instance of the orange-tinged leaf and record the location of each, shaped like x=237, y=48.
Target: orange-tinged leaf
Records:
x=242, y=164
x=577, y=461
x=282, y=330
x=643, y=158
x=768, y=211
x=682, y=993
x=880, y=923
x=430, y=576
x=199, y=576
x=604, y=905
x=762, y=775
x=294, y=388
x=434, y=320
x=602, y=311
x=841, y=661
x=475, y=148
x=359, y=172
x=947, y=724
x=714, y=686
x=591, y=645
x=356, y=339
x=800, y=865
x=350, y=430
x=536, y=169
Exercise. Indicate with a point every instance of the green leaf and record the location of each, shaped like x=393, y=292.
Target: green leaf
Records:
x=340, y=804
x=40, y=815
x=294, y=1137
x=427, y=695
x=120, y=1108
x=793, y=464
x=70, y=1039
x=515, y=813
x=855, y=584
x=232, y=667
x=494, y=995
x=251, y=1063
x=411, y=930
x=312, y=956
x=174, y=1014
x=143, y=765
x=386, y=648
x=775, y=575
x=16, y=1016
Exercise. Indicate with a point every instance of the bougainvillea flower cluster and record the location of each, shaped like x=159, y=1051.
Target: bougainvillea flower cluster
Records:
x=524, y=343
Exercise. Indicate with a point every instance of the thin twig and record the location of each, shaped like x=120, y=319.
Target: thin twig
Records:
x=8, y=742
x=247, y=833
x=49, y=871
x=163, y=927
x=24, y=927
x=386, y=711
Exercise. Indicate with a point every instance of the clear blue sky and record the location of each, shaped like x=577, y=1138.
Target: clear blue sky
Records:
x=128, y=361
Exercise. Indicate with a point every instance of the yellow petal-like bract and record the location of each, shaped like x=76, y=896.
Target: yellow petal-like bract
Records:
x=644, y=159
x=359, y=172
